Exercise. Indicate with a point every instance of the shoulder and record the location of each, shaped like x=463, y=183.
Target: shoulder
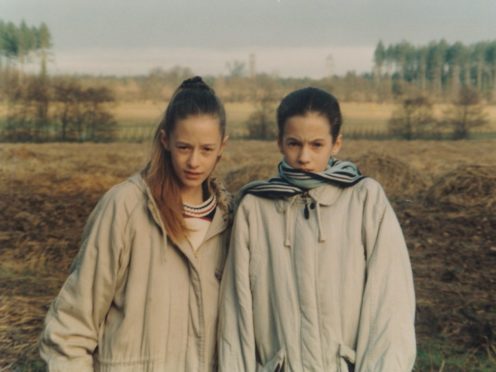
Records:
x=249, y=201
x=123, y=197
x=373, y=200
x=369, y=189
x=369, y=196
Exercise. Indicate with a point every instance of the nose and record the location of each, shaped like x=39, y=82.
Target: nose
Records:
x=304, y=155
x=194, y=158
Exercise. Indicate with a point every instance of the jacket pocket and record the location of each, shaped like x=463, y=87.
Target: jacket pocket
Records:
x=275, y=364
x=346, y=358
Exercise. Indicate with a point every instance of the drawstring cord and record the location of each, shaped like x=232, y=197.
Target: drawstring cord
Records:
x=287, y=240
x=322, y=236
x=312, y=204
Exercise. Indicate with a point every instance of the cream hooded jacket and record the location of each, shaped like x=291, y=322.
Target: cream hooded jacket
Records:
x=317, y=294
x=134, y=301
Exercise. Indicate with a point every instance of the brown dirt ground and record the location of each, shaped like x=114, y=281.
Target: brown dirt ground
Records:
x=445, y=204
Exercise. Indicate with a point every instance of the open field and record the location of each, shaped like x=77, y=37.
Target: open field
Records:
x=358, y=117
x=149, y=113
x=444, y=194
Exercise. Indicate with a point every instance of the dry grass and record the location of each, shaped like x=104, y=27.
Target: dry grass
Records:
x=138, y=112
x=48, y=190
x=396, y=177
x=366, y=116
x=143, y=113
x=466, y=187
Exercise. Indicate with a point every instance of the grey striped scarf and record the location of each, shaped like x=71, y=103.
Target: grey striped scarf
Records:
x=292, y=181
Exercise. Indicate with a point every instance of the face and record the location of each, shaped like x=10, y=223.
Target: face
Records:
x=195, y=146
x=307, y=142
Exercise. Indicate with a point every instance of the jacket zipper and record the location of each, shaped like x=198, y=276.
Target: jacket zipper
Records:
x=306, y=211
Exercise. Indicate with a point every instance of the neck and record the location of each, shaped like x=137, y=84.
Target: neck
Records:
x=192, y=196
x=195, y=195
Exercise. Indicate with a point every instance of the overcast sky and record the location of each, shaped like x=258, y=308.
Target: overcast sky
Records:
x=288, y=37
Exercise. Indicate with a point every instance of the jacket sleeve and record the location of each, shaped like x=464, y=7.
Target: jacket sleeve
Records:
x=386, y=335
x=236, y=343
x=71, y=328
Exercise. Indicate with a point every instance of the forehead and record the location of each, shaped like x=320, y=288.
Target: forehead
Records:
x=196, y=127
x=309, y=126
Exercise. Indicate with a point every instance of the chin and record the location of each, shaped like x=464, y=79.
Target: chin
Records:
x=192, y=184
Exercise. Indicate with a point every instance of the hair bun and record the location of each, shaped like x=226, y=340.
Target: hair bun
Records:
x=194, y=83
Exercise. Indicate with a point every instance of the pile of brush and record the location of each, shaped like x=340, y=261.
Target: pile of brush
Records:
x=465, y=187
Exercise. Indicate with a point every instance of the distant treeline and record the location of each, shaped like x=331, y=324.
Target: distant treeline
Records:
x=58, y=110
x=40, y=106
x=20, y=43
x=439, y=68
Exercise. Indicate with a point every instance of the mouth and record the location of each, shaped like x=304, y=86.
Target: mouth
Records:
x=192, y=175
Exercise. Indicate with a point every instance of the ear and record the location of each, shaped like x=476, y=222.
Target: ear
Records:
x=336, y=146
x=164, y=140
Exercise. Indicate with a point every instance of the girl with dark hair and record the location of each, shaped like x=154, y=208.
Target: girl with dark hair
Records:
x=143, y=291
x=318, y=276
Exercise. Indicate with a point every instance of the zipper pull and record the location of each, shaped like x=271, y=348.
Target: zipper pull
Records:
x=306, y=212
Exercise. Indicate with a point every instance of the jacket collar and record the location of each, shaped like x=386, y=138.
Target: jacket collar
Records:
x=325, y=194
x=138, y=180
x=220, y=222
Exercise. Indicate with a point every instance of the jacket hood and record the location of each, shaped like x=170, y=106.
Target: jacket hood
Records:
x=224, y=198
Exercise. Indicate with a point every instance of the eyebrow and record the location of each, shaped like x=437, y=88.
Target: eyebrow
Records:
x=182, y=143
x=312, y=140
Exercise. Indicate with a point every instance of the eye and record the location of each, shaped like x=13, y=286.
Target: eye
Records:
x=317, y=144
x=208, y=149
x=292, y=144
x=182, y=147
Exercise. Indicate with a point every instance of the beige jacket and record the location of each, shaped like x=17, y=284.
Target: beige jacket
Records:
x=320, y=293
x=134, y=301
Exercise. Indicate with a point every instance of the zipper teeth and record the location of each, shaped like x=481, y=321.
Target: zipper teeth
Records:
x=297, y=293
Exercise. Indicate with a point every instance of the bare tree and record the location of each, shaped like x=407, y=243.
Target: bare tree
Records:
x=413, y=119
x=28, y=104
x=80, y=113
x=465, y=114
x=261, y=123
x=68, y=94
x=100, y=124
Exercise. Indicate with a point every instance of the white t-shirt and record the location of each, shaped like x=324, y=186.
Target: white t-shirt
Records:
x=197, y=219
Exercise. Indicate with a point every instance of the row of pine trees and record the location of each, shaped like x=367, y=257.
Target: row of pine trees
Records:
x=20, y=44
x=439, y=67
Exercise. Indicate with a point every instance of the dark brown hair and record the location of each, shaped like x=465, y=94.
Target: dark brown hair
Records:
x=302, y=101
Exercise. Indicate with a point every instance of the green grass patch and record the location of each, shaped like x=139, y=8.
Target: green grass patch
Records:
x=441, y=355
